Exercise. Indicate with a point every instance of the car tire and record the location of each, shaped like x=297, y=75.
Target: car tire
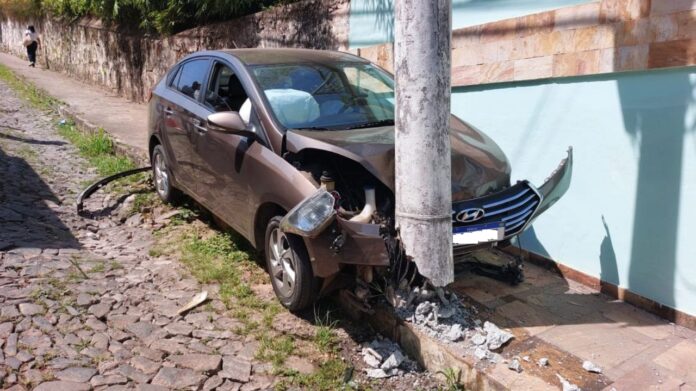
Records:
x=288, y=265
x=162, y=177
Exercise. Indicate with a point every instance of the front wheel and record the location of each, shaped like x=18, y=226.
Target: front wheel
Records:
x=289, y=267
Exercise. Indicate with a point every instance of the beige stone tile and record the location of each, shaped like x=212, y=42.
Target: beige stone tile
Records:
x=632, y=58
x=576, y=17
x=542, y=22
x=662, y=7
x=672, y=53
x=497, y=72
x=565, y=42
x=574, y=64
x=638, y=320
x=610, y=11
x=634, y=9
x=466, y=75
x=680, y=360
x=633, y=32
x=663, y=28
x=466, y=55
x=466, y=36
x=646, y=377
x=534, y=68
x=686, y=22
x=604, y=343
x=499, y=31
x=521, y=315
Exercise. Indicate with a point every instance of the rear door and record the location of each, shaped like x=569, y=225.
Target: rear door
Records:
x=182, y=112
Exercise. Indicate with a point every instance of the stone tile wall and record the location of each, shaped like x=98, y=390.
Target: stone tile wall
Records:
x=600, y=37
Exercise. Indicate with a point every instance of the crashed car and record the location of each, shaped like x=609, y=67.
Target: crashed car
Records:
x=294, y=149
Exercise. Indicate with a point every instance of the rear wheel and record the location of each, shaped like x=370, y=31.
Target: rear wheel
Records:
x=162, y=177
x=288, y=264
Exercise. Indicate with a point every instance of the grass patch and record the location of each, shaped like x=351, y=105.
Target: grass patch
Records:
x=275, y=349
x=324, y=336
x=33, y=95
x=331, y=375
x=97, y=148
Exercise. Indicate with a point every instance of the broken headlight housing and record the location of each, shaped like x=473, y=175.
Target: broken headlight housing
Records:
x=311, y=216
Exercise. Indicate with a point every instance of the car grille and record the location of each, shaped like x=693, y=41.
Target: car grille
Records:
x=513, y=207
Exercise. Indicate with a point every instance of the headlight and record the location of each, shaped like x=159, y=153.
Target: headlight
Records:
x=311, y=216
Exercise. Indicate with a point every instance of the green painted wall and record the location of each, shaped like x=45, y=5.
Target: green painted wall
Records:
x=629, y=216
x=372, y=21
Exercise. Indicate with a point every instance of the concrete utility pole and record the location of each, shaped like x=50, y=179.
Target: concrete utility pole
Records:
x=423, y=167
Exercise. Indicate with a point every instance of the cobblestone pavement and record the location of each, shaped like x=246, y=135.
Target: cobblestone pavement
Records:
x=83, y=305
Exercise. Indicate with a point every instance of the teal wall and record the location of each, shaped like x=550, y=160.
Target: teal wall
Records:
x=372, y=21
x=629, y=216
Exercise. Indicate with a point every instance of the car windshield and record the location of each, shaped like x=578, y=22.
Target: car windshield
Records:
x=335, y=96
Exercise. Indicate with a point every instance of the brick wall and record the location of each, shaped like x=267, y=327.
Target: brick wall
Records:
x=601, y=37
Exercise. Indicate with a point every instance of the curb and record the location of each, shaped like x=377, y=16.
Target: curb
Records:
x=138, y=156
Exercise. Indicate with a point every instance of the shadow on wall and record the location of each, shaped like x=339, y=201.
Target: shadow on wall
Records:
x=654, y=113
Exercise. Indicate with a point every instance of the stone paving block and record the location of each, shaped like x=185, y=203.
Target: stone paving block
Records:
x=646, y=377
x=680, y=360
x=527, y=317
x=638, y=320
x=598, y=340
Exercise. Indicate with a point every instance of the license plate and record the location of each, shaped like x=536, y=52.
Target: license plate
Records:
x=479, y=233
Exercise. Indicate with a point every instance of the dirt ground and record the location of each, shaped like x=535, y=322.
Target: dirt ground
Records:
x=91, y=303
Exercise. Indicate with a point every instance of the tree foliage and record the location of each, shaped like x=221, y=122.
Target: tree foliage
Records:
x=162, y=16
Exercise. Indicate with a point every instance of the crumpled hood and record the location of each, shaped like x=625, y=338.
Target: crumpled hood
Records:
x=479, y=166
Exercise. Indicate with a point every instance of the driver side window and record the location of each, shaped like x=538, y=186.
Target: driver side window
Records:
x=225, y=92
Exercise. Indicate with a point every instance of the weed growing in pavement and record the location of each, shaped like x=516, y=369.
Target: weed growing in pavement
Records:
x=332, y=374
x=453, y=379
x=324, y=335
x=97, y=148
x=35, y=96
x=275, y=349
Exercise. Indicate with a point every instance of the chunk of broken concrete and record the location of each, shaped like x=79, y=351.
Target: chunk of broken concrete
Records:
x=543, y=362
x=455, y=333
x=567, y=386
x=380, y=373
x=478, y=339
x=589, y=366
x=515, y=365
x=495, y=337
x=393, y=361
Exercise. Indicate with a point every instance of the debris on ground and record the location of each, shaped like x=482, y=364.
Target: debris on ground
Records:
x=195, y=301
x=385, y=359
x=440, y=315
x=589, y=366
x=543, y=362
x=515, y=365
x=568, y=386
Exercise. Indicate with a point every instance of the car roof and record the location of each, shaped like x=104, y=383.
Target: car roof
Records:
x=286, y=56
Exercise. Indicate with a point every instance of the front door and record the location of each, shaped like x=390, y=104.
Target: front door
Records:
x=219, y=156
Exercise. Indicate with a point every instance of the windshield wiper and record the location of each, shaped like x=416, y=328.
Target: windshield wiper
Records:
x=311, y=128
x=373, y=124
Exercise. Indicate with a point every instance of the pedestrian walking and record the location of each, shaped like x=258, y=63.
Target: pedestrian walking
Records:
x=32, y=42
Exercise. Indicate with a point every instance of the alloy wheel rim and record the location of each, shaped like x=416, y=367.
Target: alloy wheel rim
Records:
x=283, y=263
x=161, y=175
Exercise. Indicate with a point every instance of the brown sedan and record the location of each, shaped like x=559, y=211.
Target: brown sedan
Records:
x=294, y=149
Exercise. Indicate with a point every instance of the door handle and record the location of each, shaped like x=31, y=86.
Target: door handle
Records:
x=168, y=111
x=197, y=124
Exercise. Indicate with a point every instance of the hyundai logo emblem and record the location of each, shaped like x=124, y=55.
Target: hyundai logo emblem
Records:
x=469, y=215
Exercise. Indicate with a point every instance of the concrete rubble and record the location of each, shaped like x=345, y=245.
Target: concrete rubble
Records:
x=589, y=366
x=385, y=359
x=440, y=315
x=567, y=386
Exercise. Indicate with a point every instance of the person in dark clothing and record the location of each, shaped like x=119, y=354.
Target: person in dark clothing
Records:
x=32, y=42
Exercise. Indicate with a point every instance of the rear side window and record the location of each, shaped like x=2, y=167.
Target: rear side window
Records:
x=191, y=77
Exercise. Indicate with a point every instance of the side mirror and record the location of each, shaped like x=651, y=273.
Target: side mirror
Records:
x=230, y=122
